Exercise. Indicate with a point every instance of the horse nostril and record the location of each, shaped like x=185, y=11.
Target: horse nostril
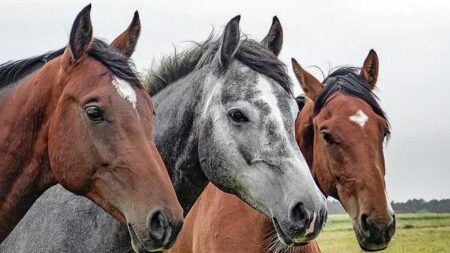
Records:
x=391, y=227
x=299, y=215
x=157, y=225
x=323, y=216
x=365, y=222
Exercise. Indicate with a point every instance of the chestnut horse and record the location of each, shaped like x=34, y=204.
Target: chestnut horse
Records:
x=80, y=117
x=341, y=131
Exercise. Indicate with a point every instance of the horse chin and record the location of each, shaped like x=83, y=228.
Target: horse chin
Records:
x=284, y=239
x=138, y=244
x=370, y=247
x=364, y=241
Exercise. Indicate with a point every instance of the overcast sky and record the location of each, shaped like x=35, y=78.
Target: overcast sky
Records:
x=412, y=39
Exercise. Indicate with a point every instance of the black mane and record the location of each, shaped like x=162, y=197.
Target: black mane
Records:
x=250, y=52
x=119, y=65
x=348, y=81
x=13, y=71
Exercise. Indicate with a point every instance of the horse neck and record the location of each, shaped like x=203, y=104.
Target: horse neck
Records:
x=24, y=166
x=181, y=102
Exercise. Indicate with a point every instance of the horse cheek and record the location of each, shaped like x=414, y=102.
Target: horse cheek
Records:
x=66, y=154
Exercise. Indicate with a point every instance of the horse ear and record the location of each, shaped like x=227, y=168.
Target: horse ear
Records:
x=127, y=41
x=369, y=70
x=274, y=39
x=230, y=40
x=81, y=34
x=309, y=84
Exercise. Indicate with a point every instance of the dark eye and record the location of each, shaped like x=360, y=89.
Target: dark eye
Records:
x=237, y=116
x=94, y=113
x=329, y=140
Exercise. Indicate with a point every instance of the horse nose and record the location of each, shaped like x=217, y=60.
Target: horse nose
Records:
x=299, y=216
x=377, y=234
x=391, y=227
x=161, y=230
x=158, y=225
x=365, y=223
x=306, y=221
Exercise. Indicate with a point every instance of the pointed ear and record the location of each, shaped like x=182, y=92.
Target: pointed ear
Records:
x=309, y=84
x=127, y=41
x=230, y=40
x=274, y=39
x=369, y=70
x=80, y=35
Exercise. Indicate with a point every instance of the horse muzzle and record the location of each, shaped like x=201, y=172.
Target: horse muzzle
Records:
x=159, y=234
x=372, y=237
x=301, y=227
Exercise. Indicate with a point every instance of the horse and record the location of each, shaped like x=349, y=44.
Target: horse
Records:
x=80, y=117
x=224, y=113
x=340, y=130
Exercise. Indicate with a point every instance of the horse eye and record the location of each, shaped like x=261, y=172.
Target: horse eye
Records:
x=237, y=116
x=329, y=140
x=94, y=113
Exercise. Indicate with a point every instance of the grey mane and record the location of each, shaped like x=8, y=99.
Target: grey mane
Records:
x=250, y=53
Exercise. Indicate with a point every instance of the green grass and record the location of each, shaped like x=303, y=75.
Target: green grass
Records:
x=414, y=233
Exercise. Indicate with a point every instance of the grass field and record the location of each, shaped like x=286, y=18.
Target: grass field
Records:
x=415, y=233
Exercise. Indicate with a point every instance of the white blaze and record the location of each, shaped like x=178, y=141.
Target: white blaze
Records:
x=126, y=91
x=269, y=97
x=359, y=118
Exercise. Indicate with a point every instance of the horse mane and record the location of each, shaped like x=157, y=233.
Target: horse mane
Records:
x=250, y=52
x=119, y=65
x=348, y=81
x=13, y=71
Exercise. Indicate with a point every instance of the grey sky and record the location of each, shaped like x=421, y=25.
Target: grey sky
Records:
x=412, y=39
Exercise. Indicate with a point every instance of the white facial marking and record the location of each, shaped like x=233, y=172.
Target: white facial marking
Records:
x=310, y=229
x=126, y=91
x=269, y=97
x=296, y=157
x=359, y=118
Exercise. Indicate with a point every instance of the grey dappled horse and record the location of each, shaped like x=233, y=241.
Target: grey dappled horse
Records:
x=224, y=113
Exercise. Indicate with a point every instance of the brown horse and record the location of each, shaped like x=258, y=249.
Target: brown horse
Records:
x=80, y=117
x=341, y=131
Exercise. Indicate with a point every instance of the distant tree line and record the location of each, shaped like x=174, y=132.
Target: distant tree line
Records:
x=422, y=206
x=410, y=206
